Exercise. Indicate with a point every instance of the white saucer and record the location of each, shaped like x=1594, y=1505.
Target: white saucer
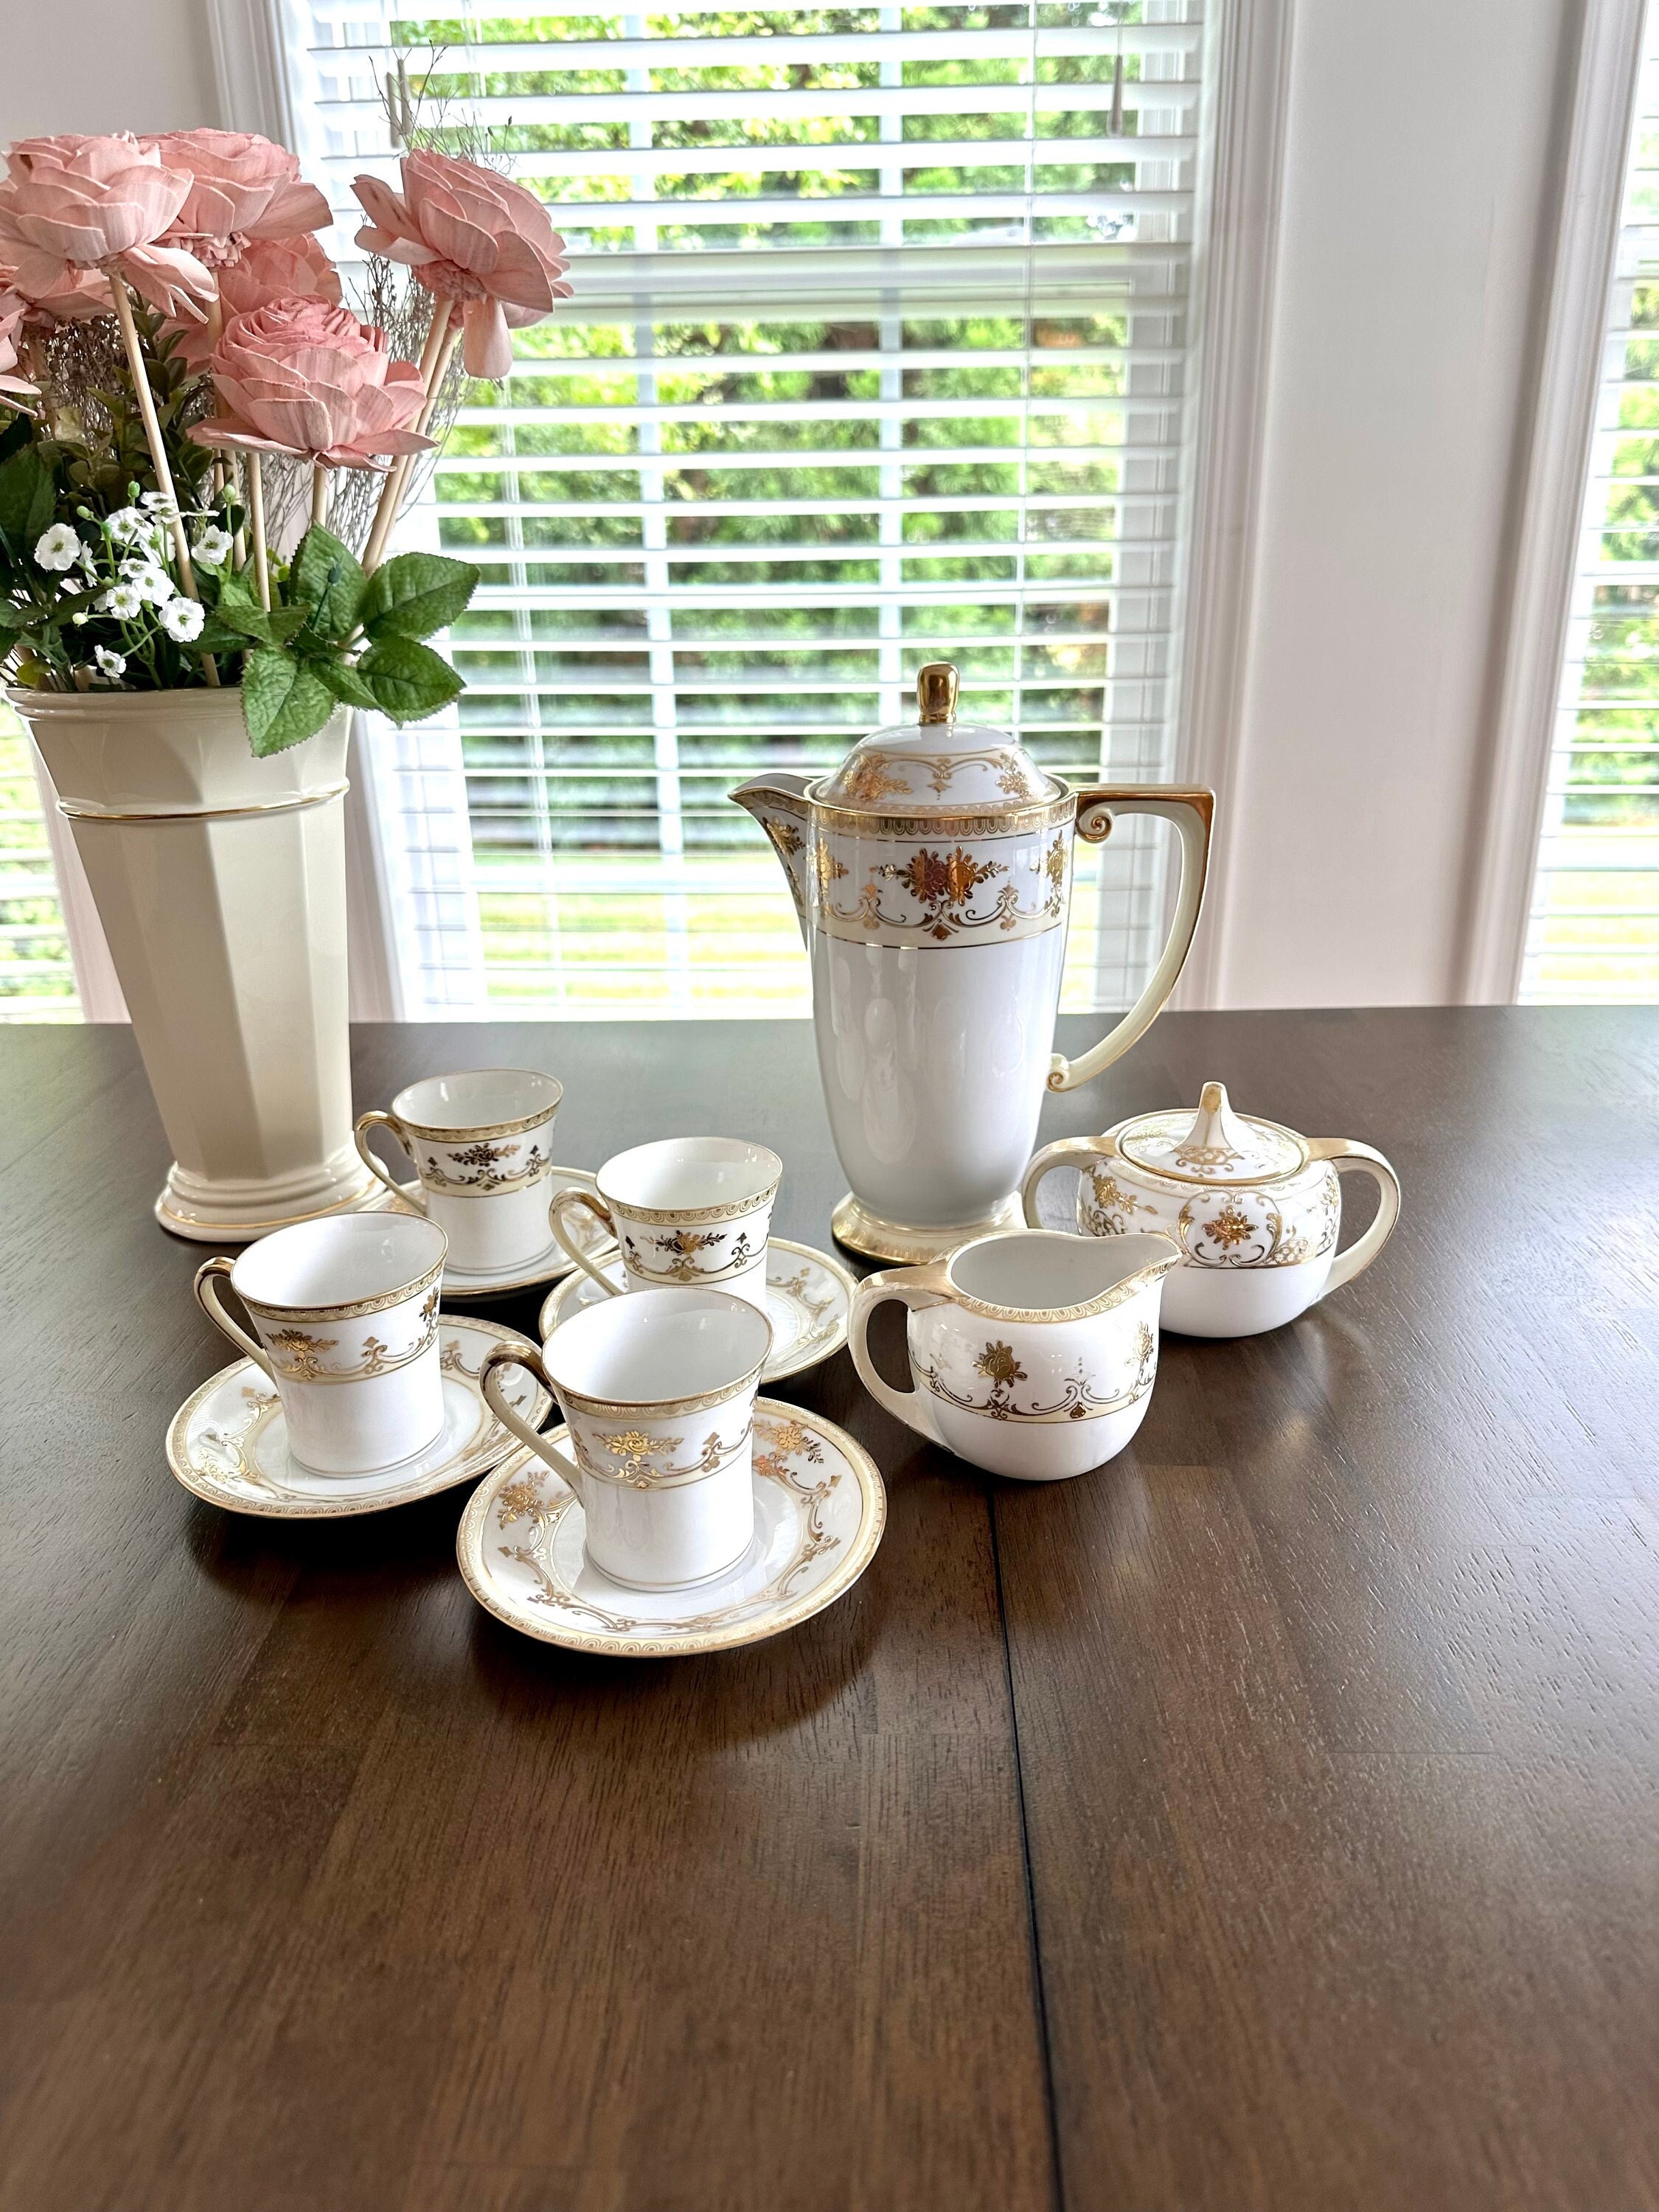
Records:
x=228, y=1441
x=550, y=1266
x=819, y=1511
x=809, y=1297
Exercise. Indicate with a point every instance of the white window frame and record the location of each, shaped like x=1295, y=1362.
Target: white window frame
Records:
x=396, y=908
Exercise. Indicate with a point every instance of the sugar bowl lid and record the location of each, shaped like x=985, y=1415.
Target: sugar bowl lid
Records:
x=937, y=766
x=1215, y=1145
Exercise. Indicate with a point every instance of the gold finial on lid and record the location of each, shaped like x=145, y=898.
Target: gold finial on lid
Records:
x=936, y=692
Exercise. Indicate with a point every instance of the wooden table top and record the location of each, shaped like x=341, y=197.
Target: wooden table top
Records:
x=1266, y=1820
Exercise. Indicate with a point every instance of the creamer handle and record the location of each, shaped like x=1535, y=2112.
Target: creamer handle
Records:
x=1351, y=1159
x=913, y=1287
x=1192, y=809
x=780, y=804
x=1070, y=1151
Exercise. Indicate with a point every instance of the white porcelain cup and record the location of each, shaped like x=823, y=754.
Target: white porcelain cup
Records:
x=347, y=1316
x=1032, y=1354
x=696, y=1211
x=659, y=1394
x=482, y=1145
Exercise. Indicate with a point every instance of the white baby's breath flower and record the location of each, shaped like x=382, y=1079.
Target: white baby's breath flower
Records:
x=122, y=601
x=78, y=620
x=127, y=524
x=112, y=664
x=58, y=548
x=182, y=620
x=153, y=584
x=160, y=506
x=211, y=548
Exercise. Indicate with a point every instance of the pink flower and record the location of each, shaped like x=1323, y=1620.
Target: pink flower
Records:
x=242, y=186
x=81, y=296
x=267, y=270
x=472, y=236
x=69, y=203
x=13, y=309
x=300, y=376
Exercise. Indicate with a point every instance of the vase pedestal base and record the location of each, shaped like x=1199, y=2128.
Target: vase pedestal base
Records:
x=237, y=1213
x=862, y=1230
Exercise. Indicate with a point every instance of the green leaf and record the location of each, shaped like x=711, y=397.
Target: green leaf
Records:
x=343, y=681
x=408, y=681
x=28, y=500
x=217, y=638
x=282, y=704
x=415, y=594
x=238, y=609
x=327, y=579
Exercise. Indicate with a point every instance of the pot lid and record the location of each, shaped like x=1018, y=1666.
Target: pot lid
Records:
x=937, y=765
x=1214, y=1146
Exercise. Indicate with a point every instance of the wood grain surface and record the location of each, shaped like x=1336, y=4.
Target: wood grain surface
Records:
x=1267, y=1821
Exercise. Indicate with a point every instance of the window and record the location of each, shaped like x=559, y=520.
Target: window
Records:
x=37, y=980
x=878, y=356
x=1593, y=933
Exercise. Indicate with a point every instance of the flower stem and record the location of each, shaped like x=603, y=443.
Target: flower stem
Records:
x=158, y=453
x=318, y=493
x=434, y=360
x=256, y=508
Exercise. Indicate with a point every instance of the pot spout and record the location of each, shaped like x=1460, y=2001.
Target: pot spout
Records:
x=780, y=804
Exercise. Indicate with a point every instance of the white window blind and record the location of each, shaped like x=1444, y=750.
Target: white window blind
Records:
x=37, y=978
x=877, y=355
x=1593, y=933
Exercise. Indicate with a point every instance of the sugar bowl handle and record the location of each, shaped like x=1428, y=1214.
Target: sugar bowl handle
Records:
x=1068, y=1153
x=913, y=1287
x=1347, y=1158
x=513, y=1355
x=1192, y=809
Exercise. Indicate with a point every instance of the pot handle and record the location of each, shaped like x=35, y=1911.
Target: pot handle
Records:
x=1351, y=1159
x=1069, y=1152
x=374, y=1119
x=513, y=1355
x=779, y=804
x=1192, y=809
x=915, y=1287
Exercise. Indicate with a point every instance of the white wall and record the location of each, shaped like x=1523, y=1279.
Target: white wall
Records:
x=105, y=65
x=1423, y=141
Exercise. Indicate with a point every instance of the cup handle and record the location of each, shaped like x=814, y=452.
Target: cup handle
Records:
x=507, y=1355
x=915, y=1287
x=206, y=1286
x=1347, y=1158
x=374, y=1119
x=596, y=1206
x=1069, y=1152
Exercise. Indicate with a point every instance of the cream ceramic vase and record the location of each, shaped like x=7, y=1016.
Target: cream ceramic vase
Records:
x=932, y=873
x=220, y=880
x=1255, y=1209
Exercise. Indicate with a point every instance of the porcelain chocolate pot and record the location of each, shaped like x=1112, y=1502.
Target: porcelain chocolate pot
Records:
x=931, y=872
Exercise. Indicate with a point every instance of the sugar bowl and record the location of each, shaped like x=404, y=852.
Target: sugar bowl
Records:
x=1255, y=1209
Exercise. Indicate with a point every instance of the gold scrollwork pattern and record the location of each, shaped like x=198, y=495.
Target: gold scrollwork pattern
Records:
x=640, y=1462
x=946, y=893
x=785, y=1446
x=298, y=1356
x=1104, y=1206
x=1249, y=1229
x=1080, y=1399
x=687, y=1256
x=490, y=1170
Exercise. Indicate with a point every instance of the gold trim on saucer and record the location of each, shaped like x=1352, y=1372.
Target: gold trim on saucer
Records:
x=782, y=1433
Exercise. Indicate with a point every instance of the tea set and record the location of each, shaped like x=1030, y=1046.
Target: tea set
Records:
x=674, y=1509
